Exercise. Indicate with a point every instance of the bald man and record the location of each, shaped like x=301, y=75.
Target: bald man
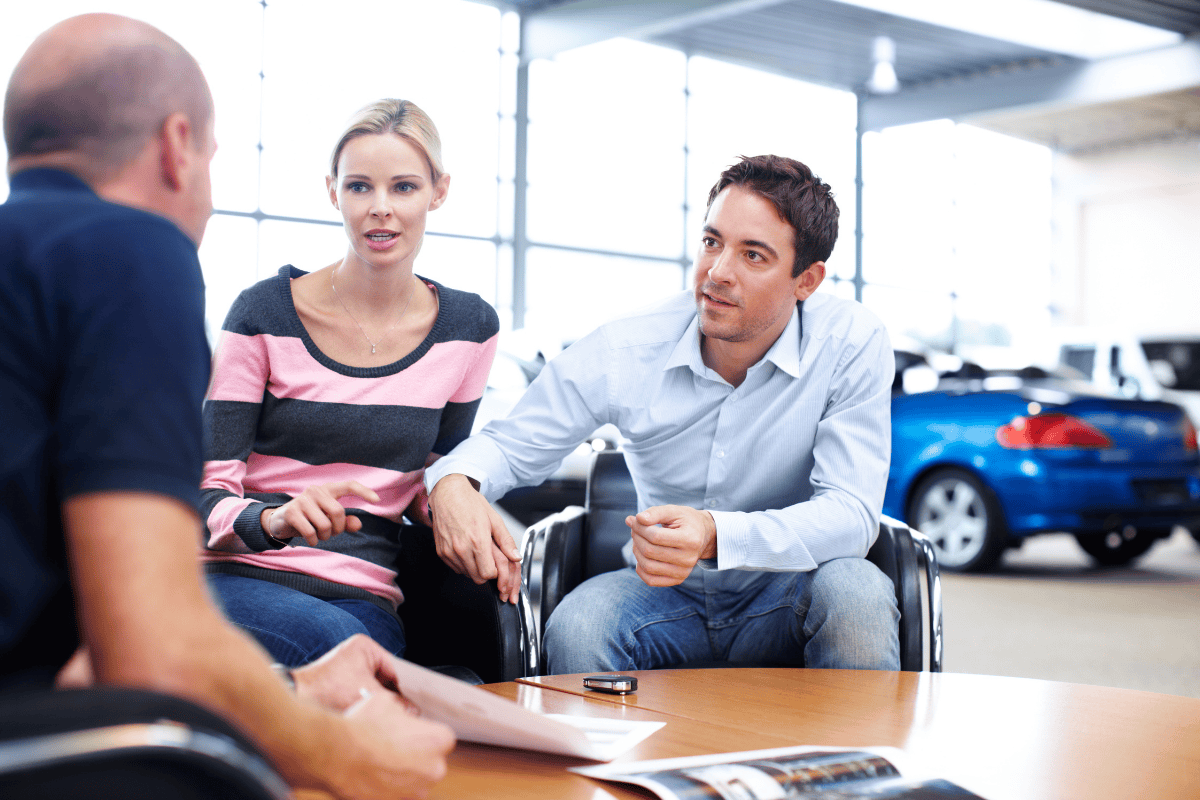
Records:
x=103, y=367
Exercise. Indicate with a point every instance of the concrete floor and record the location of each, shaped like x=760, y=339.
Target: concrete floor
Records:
x=1045, y=612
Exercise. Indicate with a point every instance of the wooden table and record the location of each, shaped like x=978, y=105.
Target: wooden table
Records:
x=1002, y=738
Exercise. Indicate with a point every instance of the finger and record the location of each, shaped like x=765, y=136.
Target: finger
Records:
x=294, y=523
x=333, y=512
x=502, y=538
x=309, y=510
x=484, y=564
x=447, y=555
x=360, y=490
x=353, y=523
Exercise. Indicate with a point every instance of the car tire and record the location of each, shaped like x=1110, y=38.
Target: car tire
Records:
x=1119, y=546
x=962, y=518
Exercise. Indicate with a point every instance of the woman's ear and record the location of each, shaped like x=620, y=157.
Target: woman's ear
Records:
x=331, y=187
x=441, y=188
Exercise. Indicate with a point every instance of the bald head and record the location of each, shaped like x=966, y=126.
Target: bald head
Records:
x=94, y=89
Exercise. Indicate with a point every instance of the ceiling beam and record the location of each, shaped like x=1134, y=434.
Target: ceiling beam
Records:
x=1055, y=86
x=552, y=30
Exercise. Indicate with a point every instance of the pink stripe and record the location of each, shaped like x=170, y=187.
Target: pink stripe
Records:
x=220, y=523
x=429, y=383
x=226, y=475
x=334, y=567
x=474, y=380
x=271, y=474
x=239, y=368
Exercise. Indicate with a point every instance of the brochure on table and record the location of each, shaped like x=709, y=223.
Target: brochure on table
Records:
x=824, y=773
x=477, y=715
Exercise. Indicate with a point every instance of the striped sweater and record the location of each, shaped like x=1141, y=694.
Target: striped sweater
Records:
x=281, y=416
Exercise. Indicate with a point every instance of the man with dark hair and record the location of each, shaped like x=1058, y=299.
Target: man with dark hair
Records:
x=756, y=417
x=103, y=368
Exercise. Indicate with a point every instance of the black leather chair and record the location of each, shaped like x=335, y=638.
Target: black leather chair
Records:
x=566, y=548
x=456, y=626
x=127, y=743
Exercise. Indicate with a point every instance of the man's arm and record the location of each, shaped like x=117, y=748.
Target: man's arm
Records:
x=565, y=404
x=147, y=621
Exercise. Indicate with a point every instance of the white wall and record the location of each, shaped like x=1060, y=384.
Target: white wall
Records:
x=1127, y=239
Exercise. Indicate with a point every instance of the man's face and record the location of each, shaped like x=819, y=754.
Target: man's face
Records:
x=744, y=287
x=200, y=205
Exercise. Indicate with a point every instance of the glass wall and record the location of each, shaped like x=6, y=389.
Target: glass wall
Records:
x=625, y=139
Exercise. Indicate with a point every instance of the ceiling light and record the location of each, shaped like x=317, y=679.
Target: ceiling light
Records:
x=883, y=75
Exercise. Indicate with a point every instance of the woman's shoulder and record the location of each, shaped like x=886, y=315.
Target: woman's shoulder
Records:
x=265, y=306
x=464, y=315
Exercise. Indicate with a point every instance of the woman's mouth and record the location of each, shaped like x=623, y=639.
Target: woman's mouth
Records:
x=381, y=240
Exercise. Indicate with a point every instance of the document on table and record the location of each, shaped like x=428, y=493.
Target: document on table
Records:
x=477, y=715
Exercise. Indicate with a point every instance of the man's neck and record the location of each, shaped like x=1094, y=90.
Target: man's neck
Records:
x=731, y=360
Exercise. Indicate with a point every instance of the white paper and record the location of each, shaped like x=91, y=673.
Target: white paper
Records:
x=477, y=715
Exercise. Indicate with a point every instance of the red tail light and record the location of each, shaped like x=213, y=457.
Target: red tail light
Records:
x=1189, y=435
x=1051, y=430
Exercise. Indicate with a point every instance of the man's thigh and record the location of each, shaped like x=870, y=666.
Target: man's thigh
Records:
x=614, y=621
x=841, y=615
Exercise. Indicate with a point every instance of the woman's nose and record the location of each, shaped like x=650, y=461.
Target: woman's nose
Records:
x=380, y=206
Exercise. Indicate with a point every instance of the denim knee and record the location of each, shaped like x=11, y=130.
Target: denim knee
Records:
x=852, y=621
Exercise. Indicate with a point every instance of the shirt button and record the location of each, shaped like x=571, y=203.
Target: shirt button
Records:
x=720, y=454
x=712, y=503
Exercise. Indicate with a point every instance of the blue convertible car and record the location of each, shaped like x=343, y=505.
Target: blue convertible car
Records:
x=988, y=458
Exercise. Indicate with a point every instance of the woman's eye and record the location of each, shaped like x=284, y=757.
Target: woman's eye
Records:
x=358, y=187
x=405, y=187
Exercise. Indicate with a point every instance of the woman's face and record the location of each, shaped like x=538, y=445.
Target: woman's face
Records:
x=384, y=192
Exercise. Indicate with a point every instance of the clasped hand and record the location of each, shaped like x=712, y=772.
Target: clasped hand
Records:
x=669, y=540
x=472, y=538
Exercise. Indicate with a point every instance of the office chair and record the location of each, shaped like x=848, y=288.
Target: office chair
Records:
x=566, y=548
x=456, y=626
x=127, y=743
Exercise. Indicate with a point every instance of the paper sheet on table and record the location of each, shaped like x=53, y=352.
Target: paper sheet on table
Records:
x=477, y=715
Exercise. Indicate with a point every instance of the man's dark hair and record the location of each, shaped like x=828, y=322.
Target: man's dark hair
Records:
x=109, y=108
x=800, y=197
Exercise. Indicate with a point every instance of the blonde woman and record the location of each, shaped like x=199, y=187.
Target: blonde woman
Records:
x=331, y=392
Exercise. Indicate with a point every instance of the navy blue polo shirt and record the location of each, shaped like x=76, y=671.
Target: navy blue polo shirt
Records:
x=103, y=369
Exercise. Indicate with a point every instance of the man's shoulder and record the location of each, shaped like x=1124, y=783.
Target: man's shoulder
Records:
x=662, y=323
x=827, y=316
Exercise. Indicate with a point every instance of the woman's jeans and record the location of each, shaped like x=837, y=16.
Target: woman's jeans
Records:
x=296, y=628
x=841, y=615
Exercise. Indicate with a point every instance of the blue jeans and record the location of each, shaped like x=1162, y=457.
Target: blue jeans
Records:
x=296, y=628
x=841, y=615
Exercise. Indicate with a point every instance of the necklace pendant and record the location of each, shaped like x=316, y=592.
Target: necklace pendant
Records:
x=372, y=349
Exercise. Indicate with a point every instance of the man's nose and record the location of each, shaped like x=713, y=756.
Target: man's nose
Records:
x=722, y=270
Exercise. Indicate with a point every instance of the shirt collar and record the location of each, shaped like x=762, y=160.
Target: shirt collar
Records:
x=39, y=178
x=784, y=353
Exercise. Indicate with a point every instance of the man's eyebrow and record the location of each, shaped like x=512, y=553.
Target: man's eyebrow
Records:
x=761, y=246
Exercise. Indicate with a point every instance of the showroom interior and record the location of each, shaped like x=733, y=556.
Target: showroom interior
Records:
x=1005, y=172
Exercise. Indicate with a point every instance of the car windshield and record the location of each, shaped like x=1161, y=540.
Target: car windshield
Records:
x=1183, y=356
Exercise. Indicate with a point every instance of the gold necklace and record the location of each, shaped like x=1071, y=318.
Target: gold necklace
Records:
x=356, y=322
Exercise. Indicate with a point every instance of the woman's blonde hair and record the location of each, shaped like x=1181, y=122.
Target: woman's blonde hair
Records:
x=401, y=117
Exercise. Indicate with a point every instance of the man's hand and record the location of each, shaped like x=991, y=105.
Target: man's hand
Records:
x=335, y=679
x=472, y=538
x=669, y=540
x=316, y=515
x=392, y=752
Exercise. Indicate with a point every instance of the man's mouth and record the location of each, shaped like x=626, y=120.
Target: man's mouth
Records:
x=717, y=300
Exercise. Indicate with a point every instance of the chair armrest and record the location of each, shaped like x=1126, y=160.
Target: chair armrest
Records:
x=552, y=564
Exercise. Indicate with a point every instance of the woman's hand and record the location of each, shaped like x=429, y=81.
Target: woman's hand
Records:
x=316, y=515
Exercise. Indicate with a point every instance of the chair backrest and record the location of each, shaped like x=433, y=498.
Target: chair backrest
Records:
x=901, y=553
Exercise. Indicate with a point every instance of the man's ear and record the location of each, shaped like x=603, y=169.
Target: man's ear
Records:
x=810, y=280
x=177, y=148
x=440, y=189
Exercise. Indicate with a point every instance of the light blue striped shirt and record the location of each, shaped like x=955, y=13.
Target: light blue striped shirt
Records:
x=792, y=463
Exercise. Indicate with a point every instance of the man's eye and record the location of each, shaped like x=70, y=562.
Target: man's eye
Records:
x=753, y=256
x=708, y=241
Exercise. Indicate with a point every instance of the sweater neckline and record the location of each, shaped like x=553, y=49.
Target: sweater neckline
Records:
x=288, y=273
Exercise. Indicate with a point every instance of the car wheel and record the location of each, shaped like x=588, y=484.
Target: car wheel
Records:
x=1119, y=546
x=961, y=517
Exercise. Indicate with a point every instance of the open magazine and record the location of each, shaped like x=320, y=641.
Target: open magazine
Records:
x=824, y=773
x=477, y=715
